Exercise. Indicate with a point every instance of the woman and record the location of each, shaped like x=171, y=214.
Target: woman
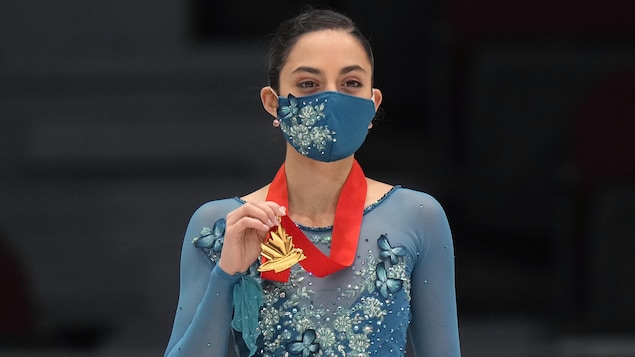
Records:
x=323, y=261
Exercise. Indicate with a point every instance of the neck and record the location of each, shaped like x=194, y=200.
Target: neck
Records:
x=314, y=188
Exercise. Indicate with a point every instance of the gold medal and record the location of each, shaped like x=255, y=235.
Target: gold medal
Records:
x=279, y=251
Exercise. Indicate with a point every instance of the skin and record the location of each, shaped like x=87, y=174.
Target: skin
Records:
x=327, y=60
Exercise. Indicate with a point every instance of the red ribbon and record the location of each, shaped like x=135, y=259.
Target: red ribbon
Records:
x=346, y=227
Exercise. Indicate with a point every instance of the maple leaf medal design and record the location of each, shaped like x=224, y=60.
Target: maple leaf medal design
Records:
x=279, y=251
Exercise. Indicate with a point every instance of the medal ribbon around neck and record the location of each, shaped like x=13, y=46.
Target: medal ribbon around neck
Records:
x=346, y=227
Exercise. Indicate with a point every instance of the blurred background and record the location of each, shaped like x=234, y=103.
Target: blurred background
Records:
x=118, y=119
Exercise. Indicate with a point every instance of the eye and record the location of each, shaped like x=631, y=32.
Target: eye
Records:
x=352, y=83
x=307, y=84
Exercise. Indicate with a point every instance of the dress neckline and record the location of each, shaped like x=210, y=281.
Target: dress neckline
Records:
x=328, y=228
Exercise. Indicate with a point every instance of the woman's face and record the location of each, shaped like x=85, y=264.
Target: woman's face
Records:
x=327, y=60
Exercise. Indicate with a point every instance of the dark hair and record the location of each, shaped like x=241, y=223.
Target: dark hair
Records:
x=309, y=20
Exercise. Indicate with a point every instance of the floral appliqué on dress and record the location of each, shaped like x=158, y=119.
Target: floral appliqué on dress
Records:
x=292, y=324
x=211, y=239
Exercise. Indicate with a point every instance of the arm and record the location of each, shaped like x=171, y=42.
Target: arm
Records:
x=434, y=326
x=205, y=308
x=204, y=312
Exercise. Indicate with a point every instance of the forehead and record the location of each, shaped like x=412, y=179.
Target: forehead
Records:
x=327, y=48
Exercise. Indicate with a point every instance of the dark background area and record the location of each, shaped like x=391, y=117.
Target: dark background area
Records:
x=118, y=119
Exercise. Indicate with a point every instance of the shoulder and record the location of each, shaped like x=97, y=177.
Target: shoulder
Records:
x=379, y=191
x=213, y=210
x=205, y=221
x=424, y=198
x=412, y=204
x=427, y=204
x=423, y=215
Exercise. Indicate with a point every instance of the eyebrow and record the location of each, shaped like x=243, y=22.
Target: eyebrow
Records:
x=352, y=68
x=344, y=70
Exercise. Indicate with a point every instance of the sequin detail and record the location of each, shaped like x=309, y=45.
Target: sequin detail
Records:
x=317, y=239
x=302, y=129
x=379, y=300
x=352, y=321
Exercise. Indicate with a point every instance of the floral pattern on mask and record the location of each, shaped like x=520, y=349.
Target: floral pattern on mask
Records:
x=299, y=124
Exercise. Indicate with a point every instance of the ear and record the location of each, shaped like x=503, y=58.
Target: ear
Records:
x=269, y=101
x=377, y=97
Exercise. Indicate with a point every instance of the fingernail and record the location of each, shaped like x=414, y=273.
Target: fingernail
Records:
x=270, y=223
x=283, y=210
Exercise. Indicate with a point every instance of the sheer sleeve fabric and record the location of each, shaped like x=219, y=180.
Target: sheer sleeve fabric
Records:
x=204, y=312
x=434, y=326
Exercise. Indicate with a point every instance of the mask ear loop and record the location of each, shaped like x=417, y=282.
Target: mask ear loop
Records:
x=276, y=121
x=274, y=92
x=372, y=98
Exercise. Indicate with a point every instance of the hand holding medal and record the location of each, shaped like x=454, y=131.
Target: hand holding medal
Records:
x=247, y=227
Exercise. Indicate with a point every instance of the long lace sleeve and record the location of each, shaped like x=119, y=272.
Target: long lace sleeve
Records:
x=434, y=326
x=204, y=312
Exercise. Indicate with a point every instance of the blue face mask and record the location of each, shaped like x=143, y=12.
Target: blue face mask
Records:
x=327, y=126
